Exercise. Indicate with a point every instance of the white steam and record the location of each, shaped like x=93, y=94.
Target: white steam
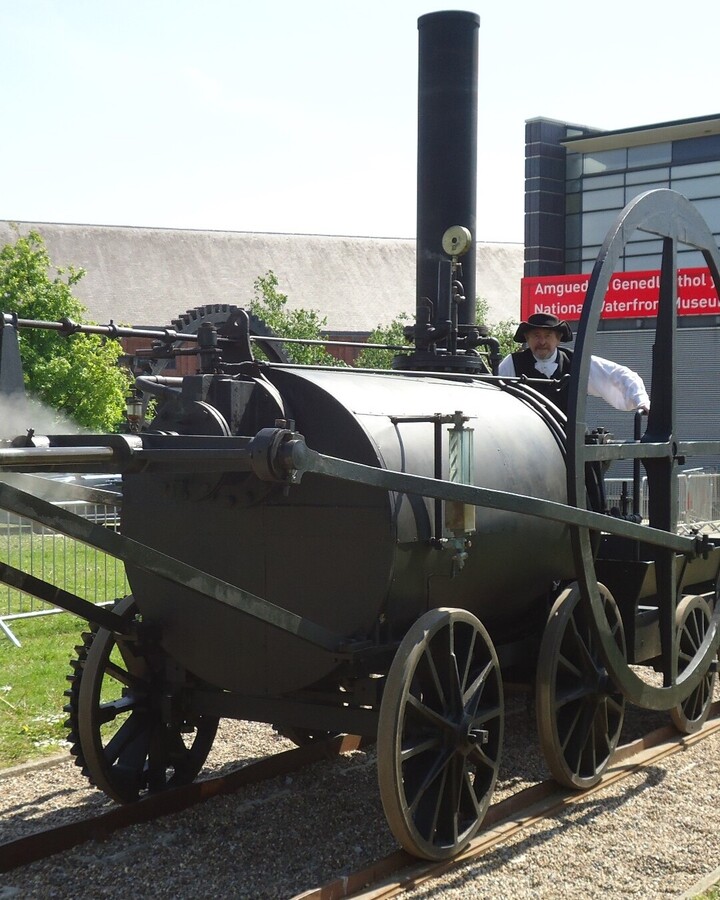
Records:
x=18, y=415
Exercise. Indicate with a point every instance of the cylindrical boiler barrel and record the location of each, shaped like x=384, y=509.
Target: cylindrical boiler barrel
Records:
x=352, y=558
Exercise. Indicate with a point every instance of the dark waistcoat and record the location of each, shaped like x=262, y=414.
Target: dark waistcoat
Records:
x=524, y=363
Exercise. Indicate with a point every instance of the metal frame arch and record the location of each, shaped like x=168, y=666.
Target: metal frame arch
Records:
x=672, y=217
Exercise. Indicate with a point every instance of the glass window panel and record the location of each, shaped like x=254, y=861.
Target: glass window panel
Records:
x=696, y=169
x=572, y=231
x=710, y=211
x=572, y=203
x=690, y=259
x=600, y=182
x=700, y=149
x=612, y=198
x=595, y=225
x=649, y=155
x=697, y=187
x=643, y=248
x=645, y=263
x=573, y=186
x=604, y=161
x=660, y=174
x=572, y=257
x=573, y=165
x=635, y=189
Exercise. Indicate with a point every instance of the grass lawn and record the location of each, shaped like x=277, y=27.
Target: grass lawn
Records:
x=32, y=682
x=33, y=676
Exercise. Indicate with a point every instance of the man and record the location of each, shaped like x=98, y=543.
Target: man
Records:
x=544, y=358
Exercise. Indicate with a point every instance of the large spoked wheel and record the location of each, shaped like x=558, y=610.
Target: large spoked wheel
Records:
x=440, y=733
x=668, y=215
x=693, y=620
x=126, y=746
x=579, y=710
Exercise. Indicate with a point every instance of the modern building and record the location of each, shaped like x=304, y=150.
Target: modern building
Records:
x=577, y=180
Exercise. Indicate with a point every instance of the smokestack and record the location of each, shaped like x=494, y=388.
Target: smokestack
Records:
x=447, y=146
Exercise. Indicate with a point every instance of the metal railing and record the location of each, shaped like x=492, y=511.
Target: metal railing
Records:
x=698, y=498
x=66, y=563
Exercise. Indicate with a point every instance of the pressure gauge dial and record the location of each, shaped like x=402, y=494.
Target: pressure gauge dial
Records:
x=456, y=240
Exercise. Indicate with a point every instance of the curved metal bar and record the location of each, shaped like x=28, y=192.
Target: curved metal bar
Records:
x=673, y=218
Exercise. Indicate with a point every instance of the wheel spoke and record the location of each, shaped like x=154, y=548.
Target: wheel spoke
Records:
x=427, y=715
x=114, y=671
x=407, y=752
x=429, y=662
x=571, y=693
x=587, y=660
x=480, y=758
x=569, y=665
x=470, y=655
x=472, y=696
x=487, y=715
x=125, y=743
x=109, y=711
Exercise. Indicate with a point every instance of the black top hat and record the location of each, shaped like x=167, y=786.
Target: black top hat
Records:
x=544, y=320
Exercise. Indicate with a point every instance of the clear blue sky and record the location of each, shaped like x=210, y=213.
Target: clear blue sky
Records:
x=301, y=116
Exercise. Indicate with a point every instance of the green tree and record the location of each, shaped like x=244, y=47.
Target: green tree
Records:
x=270, y=305
x=503, y=330
x=79, y=375
x=393, y=334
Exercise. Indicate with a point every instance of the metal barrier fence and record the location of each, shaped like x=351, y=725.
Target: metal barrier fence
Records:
x=100, y=578
x=85, y=571
x=698, y=498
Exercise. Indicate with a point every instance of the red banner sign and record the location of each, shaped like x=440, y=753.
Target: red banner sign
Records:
x=630, y=295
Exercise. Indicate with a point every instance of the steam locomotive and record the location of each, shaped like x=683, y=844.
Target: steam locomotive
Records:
x=338, y=550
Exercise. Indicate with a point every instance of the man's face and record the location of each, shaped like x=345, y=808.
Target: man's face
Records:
x=542, y=342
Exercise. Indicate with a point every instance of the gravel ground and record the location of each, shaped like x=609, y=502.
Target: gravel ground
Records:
x=652, y=836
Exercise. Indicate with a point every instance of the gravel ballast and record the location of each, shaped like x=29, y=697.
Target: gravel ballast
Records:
x=653, y=835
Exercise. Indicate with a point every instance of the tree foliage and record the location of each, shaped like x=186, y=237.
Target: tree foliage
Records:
x=79, y=375
x=393, y=334
x=503, y=330
x=270, y=305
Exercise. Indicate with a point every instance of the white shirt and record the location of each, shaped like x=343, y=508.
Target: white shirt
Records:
x=616, y=384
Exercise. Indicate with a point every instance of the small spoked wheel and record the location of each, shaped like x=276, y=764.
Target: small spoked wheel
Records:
x=440, y=733
x=579, y=710
x=693, y=617
x=126, y=745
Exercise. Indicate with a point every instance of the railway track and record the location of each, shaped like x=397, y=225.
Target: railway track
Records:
x=46, y=842
x=390, y=874
x=399, y=872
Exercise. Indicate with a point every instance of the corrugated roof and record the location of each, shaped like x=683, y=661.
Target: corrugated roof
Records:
x=148, y=276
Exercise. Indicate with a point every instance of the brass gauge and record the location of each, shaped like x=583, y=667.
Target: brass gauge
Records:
x=456, y=240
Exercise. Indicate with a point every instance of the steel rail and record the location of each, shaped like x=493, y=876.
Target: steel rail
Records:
x=400, y=871
x=386, y=877
x=42, y=844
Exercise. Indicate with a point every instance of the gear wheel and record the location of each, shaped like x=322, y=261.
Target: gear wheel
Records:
x=71, y=707
x=120, y=733
x=217, y=314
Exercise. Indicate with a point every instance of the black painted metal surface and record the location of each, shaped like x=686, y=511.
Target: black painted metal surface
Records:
x=447, y=145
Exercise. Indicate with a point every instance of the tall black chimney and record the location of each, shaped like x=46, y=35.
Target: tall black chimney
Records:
x=447, y=146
